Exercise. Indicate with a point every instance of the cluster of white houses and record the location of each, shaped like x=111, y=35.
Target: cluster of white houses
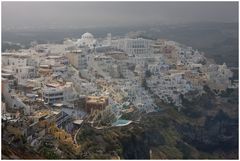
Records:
x=49, y=89
x=170, y=70
x=22, y=66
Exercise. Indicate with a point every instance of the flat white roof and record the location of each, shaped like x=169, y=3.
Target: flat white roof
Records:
x=79, y=122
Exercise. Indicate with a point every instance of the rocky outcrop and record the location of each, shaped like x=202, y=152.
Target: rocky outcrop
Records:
x=219, y=132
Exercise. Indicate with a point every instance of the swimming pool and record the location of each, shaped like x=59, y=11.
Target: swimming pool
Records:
x=121, y=122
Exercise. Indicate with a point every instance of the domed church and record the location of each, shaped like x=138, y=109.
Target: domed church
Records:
x=87, y=39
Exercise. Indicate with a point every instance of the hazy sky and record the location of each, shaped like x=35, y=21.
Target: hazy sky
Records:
x=83, y=14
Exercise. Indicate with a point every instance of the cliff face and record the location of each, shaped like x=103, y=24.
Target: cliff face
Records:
x=205, y=129
x=135, y=147
x=220, y=132
x=217, y=138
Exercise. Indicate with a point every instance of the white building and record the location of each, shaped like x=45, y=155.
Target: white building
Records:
x=12, y=99
x=137, y=47
x=24, y=73
x=169, y=87
x=22, y=65
x=88, y=40
x=59, y=94
x=158, y=69
x=218, y=76
x=109, y=39
x=78, y=58
x=18, y=59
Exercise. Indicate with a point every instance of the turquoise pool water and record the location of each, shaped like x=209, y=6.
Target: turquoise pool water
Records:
x=121, y=122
